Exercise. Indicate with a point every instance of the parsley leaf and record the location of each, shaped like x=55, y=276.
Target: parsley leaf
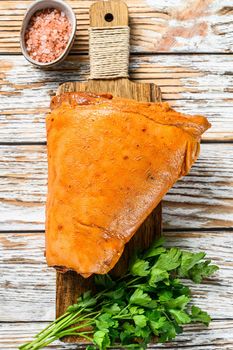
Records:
x=143, y=332
x=202, y=270
x=104, y=281
x=128, y=330
x=170, y=260
x=178, y=303
x=157, y=275
x=140, y=298
x=135, y=310
x=86, y=300
x=198, y=315
x=167, y=332
x=114, y=309
x=152, y=252
x=157, y=325
x=104, y=321
x=140, y=268
x=101, y=339
x=165, y=295
x=180, y=316
x=115, y=294
x=140, y=320
x=153, y=315
x=149, y=300
x=155, y=249
x=188, y=260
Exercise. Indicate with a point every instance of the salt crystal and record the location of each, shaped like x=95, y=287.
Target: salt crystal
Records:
x=47, y=35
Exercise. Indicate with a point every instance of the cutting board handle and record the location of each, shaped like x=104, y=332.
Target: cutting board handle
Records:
x=111, y=13
x=109, y=40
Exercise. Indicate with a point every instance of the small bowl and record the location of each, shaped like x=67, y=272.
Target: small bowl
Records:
x=41, y=5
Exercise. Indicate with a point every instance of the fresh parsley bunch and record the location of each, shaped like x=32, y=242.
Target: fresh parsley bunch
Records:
x=149, y=302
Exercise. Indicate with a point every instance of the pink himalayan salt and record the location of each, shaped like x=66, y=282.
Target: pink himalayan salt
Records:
x=47, y=35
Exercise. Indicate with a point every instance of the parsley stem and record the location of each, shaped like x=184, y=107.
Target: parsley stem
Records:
x=54, y=322
x=133, y=280
x=46, y=339
x=123, y=317
x=54, y=328
x=77, y=334
x=111, y=306
x=126, y=307
x=96, y=313
x=123, y=277
x=167, y=316
x=86, y=337
x=65, y=324
x=80, y=326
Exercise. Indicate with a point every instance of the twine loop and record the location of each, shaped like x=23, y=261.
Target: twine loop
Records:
x=109, y=52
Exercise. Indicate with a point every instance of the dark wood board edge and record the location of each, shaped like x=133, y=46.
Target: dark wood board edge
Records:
x=70, y=285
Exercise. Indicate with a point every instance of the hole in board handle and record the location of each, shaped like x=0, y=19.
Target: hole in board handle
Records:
x=109, y=17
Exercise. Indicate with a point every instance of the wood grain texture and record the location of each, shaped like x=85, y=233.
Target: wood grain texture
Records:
x=27, y=285
x=218, y=336
x=121, y=87
x=190, y=83
x=118, y=9
x=156, y=26
x=202, y=199
x=71, y=285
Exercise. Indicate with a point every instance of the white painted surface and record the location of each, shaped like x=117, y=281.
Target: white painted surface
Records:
x=203, y=199
x=192, y=83
x=218, y=336
x=195, y=84
x=27, y=285
x=156, y=25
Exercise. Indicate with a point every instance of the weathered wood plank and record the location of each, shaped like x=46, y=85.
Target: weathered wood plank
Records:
x=23, y=172
x=27, y=285
x=192, y=84
x=218, y=336
x=70, y=286
x=202, y=199
x=156, y=26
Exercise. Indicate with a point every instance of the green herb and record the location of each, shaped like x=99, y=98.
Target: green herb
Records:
x=140, y=268
x=200, y=316
x=149, y=301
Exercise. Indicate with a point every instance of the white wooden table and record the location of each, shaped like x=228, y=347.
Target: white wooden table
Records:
x=185, y=46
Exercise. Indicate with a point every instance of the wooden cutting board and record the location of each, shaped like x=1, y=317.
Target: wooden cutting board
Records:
x=70, y=285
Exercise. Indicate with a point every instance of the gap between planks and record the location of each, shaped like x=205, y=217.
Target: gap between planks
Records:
x=44, y=143
x=192, y=84
x=156, y=26
x=142, y=53
x=165, y=230
x=202, y=199
x=27, y=286
x=217, y=337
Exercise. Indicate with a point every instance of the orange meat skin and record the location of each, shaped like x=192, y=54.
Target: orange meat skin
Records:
x=110, y=162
